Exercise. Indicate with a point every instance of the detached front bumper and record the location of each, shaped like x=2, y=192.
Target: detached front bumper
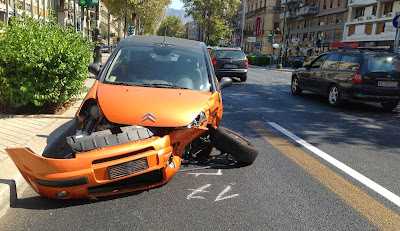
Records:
x=103, y=171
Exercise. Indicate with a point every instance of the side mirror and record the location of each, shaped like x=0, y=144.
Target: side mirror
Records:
x=225, y=82
x=308, y=66
x=94, y=68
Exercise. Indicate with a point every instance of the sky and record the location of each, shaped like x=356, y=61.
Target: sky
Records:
x=176, y=4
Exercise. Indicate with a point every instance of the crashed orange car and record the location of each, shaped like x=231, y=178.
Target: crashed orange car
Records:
x=156, y=104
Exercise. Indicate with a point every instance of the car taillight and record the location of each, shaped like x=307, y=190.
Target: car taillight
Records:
x=357, y=79
x=214, y=62
x=246, y=63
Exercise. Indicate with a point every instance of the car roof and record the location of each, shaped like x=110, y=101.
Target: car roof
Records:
x=145, y=40
x=228, y=48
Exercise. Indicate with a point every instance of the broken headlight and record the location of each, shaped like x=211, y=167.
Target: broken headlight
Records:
x=199, y=120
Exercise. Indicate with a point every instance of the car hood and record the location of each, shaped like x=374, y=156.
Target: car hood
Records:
x=146, y=106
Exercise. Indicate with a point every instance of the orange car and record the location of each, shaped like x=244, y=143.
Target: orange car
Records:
x=155, y=102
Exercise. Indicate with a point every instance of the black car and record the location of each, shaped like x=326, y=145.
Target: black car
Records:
x=362, y=75
x=229, y=62
x=298, y=61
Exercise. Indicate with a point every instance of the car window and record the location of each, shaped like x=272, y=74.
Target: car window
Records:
x=377, y=63
x=349, y=62
x=144, y=66
x=222, y=54
x=331, y=61
x=317, y=63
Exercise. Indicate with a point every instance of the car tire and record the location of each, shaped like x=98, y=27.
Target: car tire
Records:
x=229, y=142
x=389, y=106
x=243, y=78
x=295, y=86
x=334, y=95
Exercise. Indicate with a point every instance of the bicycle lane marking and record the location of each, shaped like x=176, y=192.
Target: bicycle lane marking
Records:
x=379, y=215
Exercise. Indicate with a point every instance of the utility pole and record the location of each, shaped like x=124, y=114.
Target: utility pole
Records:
x=75, y=22
x=282, y=38
x=97, y=53
x=243, y=22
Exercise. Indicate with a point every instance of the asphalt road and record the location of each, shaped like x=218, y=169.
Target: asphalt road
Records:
x=289, y=187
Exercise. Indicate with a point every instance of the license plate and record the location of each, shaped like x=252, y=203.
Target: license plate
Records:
x=128, y=168
x=231, y=66
x=387, y=84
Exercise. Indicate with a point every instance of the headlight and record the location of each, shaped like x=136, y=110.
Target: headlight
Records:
x=199, y=120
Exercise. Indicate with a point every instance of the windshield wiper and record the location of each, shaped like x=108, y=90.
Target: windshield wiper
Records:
x=227, y=58
x=120, y=83
x=162, y=85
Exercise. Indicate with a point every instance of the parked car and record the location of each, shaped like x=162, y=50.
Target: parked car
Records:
x=155, y=103
x=298, y=61
x=361, y=75
x=104, y=49
x=308, y=60
x=229, y=62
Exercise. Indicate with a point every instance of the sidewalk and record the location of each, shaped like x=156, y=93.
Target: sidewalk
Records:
x=273, y=67
x=29, y=131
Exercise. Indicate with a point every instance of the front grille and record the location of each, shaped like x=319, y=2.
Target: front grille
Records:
x=129, y=183
x=128, y=168
x=123, y=156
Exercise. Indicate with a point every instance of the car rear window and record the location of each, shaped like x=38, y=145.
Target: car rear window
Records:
x=378, y=63
x=222, y=54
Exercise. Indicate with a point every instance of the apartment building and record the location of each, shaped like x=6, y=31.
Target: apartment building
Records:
x=9, y=8
x=65, y=12
x=306, y=21
x=261, y=19
x=191, y=30
x=237, y=26
x=369, y=23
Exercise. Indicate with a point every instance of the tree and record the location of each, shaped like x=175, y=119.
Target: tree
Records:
x=149, y=13
x=171, y=26
x=213, y=16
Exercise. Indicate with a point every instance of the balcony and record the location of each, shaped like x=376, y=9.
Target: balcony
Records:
x=357, y=3
x=278, y=8
x=308, y=10
x=284, y=2
x=289, y=15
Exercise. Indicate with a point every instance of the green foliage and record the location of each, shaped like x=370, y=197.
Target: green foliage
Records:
x=171, y=26
x=41, y=62
x=214, y=16
x=259, y=60
x=149, y=13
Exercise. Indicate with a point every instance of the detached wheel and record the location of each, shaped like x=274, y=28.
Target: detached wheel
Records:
x=295, y=86
x=243, y=78
x=334, y=96
x=229, y=142
x=389, y=106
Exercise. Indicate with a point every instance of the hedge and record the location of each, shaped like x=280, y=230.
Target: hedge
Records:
x=41, y=62
x=259, y=60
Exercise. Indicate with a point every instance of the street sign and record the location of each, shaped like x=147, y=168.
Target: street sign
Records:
x=396, y=21
x=251, y=39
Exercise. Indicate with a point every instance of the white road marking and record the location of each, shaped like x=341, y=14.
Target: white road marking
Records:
x=195, y=191
x=219, y=173
x=356, y=175
x=221, y=197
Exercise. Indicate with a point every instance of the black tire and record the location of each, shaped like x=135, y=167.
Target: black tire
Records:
x=296, y=90
x=389, y=106
x=243, y=78
x=334, y=95
x=229, y=142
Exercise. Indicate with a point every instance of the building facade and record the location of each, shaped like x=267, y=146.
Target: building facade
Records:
x=261, y=19
x=307, y=21
x=369, y=23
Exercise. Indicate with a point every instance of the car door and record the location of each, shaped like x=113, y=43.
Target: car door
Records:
x=327, y=73
x=309, y=76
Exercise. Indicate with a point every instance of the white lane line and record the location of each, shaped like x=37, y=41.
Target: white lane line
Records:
x=356, y=175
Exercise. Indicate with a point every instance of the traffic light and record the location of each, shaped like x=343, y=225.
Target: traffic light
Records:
x=88, y=3
x=131, y=30
x=82, y=3
x=318, y=43
x=271, y=38
x=78, y=26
